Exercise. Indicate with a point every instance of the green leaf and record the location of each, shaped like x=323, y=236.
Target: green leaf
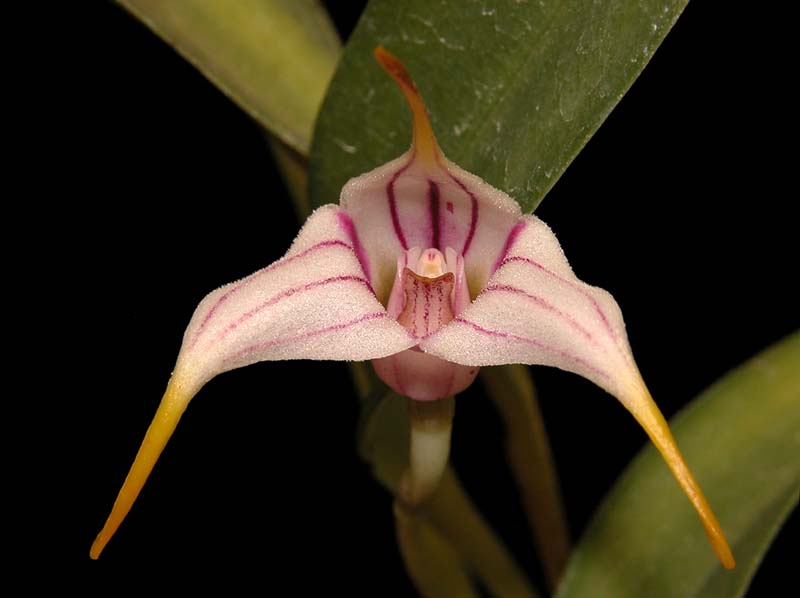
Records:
x=272, y=57
x=431, y=561
x=740, y=438
x=531, y=460
x=294, y=172
x=515, y=88
x=384, y=435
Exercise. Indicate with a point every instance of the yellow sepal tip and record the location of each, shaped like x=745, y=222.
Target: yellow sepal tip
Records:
x=650, y=418
x=426, y=147
x=176, y=398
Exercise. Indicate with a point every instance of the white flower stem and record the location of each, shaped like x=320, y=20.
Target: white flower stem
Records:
x=429, y=451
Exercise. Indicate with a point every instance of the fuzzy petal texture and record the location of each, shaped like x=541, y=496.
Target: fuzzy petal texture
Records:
x=422, y=205
x=324, y=300
x=534, y=310
x=314, y=303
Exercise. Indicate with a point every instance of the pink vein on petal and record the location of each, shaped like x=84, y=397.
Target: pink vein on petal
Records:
x=510, y=239
x=346, y=223
x=398, y=229
x=535, y=264
x=506, y=288
x=288, y=293
x=435, y=213
x=530, y=341
x=440, y=312
x=245, y=281
x=473, y=220
x=290, y=339
x=426, y=313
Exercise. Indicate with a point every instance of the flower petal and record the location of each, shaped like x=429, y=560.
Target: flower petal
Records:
x=534, y=310
x=315, y=303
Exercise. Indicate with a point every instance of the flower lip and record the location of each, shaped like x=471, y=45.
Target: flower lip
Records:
x=428, y=304
x=448, y=277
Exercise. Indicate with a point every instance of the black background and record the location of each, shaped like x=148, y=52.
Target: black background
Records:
x=675, y=206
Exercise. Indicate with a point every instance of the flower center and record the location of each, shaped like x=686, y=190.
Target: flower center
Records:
x=431, y=263
x=428, y=291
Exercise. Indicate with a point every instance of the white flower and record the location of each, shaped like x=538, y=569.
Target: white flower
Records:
x=389, y=274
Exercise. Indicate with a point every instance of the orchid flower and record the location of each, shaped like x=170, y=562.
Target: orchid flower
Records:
x=429, y=272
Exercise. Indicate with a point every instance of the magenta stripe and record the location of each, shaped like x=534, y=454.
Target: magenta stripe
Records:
x=398, y=229
x=346, y=223
x=525, y=260
x=433, y=207
x=510, y=239
x=473, y=220
x=245, y=281
x=288, y=293
x=426, y=308
x=441, y=304
x=531, y=341
x=413, y=310
x=542, y=303
x=290, y=339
